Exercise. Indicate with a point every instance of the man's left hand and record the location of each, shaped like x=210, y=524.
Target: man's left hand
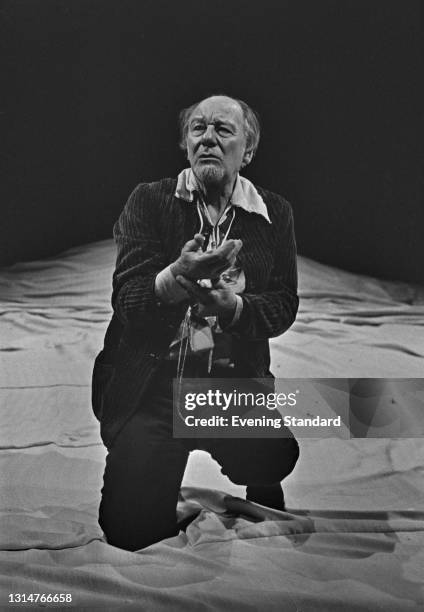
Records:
x=220, y=300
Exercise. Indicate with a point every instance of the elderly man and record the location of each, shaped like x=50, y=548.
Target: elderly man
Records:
x=205, y=274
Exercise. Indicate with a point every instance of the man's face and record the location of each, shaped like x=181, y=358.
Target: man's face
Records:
x=216, y=141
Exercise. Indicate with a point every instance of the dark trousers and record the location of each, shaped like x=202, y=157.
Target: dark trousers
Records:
x=145, y=467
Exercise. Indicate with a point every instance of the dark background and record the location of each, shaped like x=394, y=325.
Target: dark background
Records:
x=93, y=89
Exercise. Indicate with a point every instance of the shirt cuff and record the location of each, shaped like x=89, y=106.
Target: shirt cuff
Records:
x=167, y=288
x=237, y=313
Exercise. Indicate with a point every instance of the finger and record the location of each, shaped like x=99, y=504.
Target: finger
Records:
x=194, y=244
x=239, y=244
x=218, y=270
x=227, y=247
x=221, y=267
x=187, y=284
x=231, y=244
x=218, y=258
x=214, y=271
x=230, y=249
x=200, y=239
x=193, y=289
x=218, y=283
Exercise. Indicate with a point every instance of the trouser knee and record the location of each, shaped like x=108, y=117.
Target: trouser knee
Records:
x=273, y=464
x=133, y=531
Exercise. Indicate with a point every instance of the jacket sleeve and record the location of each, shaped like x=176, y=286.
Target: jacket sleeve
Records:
x=272, y=312
x=140, y=257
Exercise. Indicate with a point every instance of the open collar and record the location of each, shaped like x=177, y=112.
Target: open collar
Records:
x=245, y=194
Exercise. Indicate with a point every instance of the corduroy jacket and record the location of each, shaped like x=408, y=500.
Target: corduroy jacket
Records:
x=150, y=234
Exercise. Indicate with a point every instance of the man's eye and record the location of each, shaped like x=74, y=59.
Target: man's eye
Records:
x=197, y=127
x=224, y=130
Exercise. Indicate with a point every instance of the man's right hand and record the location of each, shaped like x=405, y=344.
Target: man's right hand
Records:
x=194, y=264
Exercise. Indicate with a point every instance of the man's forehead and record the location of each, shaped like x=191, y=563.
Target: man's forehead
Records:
x=219, y=107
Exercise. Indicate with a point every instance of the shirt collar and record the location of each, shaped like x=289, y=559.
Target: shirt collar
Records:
x=245, y=194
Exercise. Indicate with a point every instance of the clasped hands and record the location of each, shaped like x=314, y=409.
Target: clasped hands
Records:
x=195, y=264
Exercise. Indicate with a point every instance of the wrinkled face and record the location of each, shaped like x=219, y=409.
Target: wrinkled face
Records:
x=216, y=141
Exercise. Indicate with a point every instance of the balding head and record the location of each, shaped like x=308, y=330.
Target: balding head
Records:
x=217, y=143
x=249, y=117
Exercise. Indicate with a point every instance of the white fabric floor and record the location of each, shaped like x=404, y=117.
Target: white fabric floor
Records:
x=353, y=536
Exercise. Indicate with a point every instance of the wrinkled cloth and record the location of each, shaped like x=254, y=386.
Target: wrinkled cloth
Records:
x=352, y=538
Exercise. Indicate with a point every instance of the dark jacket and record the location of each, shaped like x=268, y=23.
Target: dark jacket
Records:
x=150, y=233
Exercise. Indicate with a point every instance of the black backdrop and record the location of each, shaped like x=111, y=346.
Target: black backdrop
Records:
x=93, y=89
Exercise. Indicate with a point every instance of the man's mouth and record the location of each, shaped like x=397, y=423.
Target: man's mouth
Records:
x=208, y=157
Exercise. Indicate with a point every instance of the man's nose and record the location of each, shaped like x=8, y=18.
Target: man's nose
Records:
x=209, y=135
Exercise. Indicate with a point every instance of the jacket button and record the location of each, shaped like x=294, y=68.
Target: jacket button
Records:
x=153, y=355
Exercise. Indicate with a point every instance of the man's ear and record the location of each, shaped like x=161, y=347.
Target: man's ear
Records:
x=247, y=158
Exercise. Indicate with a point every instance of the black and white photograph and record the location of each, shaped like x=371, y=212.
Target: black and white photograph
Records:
x=212, y=305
